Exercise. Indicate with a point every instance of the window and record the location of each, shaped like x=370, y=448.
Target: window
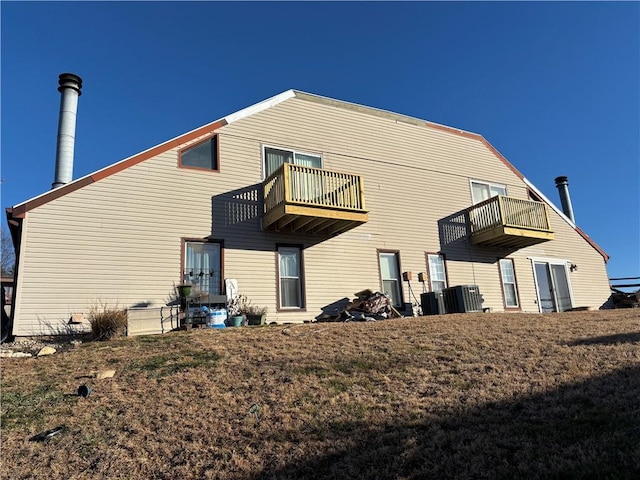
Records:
x=274, y=157
x=202, y=266
x=509, y=287
x=203, y=156
x=481, y=191
x=290, y=277
x=390, y=276
x=437, y=272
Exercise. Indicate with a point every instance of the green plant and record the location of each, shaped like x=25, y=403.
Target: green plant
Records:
x=107, y=322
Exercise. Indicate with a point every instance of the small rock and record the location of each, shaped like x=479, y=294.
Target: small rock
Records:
x=9, y=354
x=46, y=351
x=105, y=374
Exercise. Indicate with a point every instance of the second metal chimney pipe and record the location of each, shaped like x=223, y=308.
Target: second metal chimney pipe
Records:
x=562, y=183
x=70, y=88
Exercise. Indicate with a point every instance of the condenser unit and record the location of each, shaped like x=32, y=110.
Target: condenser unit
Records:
x=463, y=299
x=432, y=303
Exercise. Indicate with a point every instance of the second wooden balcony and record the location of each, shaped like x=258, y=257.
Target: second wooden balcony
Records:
x=509, y=222
x=313, y=200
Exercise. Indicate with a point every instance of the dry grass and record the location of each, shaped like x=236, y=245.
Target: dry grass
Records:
x=107, y=322
x=457, y=396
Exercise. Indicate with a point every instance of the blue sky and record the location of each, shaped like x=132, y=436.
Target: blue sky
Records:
x=555, y=87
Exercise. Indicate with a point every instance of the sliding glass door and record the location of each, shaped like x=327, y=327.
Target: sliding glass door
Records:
x=552, y=284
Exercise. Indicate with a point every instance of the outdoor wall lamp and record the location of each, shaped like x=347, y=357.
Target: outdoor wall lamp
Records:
x=573, y=267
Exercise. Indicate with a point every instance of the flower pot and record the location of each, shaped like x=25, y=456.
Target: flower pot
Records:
x=256, y=319
x=184, y=290
x=237, y=320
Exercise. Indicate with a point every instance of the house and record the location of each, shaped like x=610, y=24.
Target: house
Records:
x=303, y=200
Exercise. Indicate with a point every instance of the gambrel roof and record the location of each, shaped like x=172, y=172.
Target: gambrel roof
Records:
x=21, y=209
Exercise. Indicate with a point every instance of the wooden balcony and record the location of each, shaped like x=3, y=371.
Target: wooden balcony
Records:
x=313, y=200
x=508, y=222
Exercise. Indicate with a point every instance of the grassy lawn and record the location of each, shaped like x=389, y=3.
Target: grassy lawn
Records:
x=456, y=396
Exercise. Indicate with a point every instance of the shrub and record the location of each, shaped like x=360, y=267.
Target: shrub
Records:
x=106, y=322
x=256, y=310
x=238, y=305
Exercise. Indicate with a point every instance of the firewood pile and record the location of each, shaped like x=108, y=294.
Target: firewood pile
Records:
x=624, y=299
x=366, y=307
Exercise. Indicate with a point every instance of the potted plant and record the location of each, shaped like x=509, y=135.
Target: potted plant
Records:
x=236, y=310
x=184, y=290
x=256, y=315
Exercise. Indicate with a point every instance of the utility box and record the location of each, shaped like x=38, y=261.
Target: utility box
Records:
x=432, y=303
x=463, y=299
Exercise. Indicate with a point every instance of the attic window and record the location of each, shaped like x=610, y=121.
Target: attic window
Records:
x=203, y=156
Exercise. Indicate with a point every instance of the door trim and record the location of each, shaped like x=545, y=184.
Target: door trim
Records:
x=551, y=261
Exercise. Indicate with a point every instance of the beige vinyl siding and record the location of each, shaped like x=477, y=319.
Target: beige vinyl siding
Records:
x=118, y=240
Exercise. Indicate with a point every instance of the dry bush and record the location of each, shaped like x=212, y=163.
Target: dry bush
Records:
x=107, y=322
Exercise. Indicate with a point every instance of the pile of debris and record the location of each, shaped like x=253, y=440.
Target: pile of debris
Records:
x=368, y=306
x=624, y=299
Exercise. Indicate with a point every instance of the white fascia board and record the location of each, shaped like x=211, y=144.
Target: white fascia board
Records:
x=259, y=107
x=548, y=202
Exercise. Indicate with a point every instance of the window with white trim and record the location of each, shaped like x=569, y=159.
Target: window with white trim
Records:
x=390, y=276
x=481, y=191
x=290, y=277
x=275, y=157
x=437, y=272
x=509, y=287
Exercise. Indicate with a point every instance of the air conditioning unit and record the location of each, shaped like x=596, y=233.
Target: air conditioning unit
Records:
x=432, y=303
x=463, y=299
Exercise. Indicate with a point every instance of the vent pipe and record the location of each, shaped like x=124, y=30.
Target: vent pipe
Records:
x=562, y=183
x=70, y=86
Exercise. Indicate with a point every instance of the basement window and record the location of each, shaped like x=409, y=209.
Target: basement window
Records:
x=202, y=156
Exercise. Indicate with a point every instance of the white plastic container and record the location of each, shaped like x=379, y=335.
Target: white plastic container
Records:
x=217, y=318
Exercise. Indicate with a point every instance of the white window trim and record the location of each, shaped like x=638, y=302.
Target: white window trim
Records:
x=515, y=283
x=483, y=182
x=444, y=267
x=551, y=261
x=398, y=280
x=264, y=146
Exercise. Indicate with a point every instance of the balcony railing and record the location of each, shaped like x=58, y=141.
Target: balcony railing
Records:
x=293, y=191
x=507, y=221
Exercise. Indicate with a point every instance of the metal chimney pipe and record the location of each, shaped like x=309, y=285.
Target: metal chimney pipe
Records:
x=562, y=183
x=70, y=88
